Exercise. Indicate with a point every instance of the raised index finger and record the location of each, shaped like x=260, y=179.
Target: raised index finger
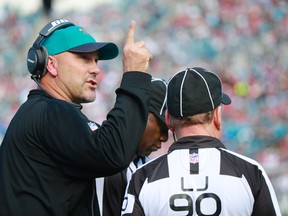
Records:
x=130, y=36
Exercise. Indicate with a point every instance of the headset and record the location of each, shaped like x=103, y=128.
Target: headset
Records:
x=37, y=56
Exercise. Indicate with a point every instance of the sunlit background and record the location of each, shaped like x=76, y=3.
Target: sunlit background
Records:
x=244, y=41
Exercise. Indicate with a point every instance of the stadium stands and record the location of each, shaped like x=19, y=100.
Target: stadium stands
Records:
x=244, y=41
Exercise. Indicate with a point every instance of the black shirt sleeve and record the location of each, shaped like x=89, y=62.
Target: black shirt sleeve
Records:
x=82, y=152
x=113, y=194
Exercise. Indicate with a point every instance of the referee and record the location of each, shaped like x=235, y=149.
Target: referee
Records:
x=111, y=189
x=199, y=176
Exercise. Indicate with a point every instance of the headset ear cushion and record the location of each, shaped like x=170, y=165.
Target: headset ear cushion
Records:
x=36, y=61
x=32, y=60
x=43, y=58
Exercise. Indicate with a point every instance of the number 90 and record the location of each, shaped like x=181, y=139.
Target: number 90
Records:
x=189, y=206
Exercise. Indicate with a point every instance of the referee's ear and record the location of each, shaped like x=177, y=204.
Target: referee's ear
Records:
x=168, y=121
x=217, y=119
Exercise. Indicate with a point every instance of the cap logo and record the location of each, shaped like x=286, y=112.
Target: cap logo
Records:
x=83, y=30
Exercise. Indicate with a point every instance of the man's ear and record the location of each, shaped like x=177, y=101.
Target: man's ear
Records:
x=168, y=121
x=218, y=117
x=52, y=66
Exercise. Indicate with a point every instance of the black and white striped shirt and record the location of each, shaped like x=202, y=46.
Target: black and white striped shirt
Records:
x=199, y=176
x=111, y=189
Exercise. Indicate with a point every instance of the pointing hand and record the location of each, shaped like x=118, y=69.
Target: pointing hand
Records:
x=136, y=56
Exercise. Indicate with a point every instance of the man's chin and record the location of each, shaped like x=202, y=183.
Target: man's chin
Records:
x=89, y=98
x=84, y=100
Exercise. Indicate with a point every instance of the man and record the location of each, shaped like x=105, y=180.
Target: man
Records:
x=51, y=152
x=154, y=134
x=199, y=176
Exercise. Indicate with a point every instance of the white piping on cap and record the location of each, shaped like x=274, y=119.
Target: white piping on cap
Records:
x=165, y=99
x=181, y=90
x=207, y=87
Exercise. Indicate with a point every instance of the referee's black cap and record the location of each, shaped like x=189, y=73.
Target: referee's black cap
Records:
x=158, y=98
x=194, y=91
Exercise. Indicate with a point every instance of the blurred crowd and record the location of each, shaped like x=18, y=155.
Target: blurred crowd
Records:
x=244, y=41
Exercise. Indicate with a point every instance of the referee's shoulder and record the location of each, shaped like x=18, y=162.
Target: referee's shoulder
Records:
x=240, y=157
x=151, y=166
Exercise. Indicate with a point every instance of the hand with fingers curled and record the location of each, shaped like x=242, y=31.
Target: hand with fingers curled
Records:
x=136, y=56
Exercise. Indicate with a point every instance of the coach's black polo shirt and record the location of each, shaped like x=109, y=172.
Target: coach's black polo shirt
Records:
x=52, y=153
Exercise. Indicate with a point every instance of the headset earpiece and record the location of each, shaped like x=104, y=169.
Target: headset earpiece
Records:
x=37, y=56
x=36, y=61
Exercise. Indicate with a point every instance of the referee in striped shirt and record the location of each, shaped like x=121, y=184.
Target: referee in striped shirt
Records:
x=198, y=175
x=111, y=189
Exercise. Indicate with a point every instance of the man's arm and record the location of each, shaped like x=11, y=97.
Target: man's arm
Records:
x=265, y=201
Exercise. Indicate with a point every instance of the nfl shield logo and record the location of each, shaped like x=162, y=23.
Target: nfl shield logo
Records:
x=194, y=158
x=93, y=126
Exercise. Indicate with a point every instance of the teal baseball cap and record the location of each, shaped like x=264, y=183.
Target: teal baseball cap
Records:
x=77, y=39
